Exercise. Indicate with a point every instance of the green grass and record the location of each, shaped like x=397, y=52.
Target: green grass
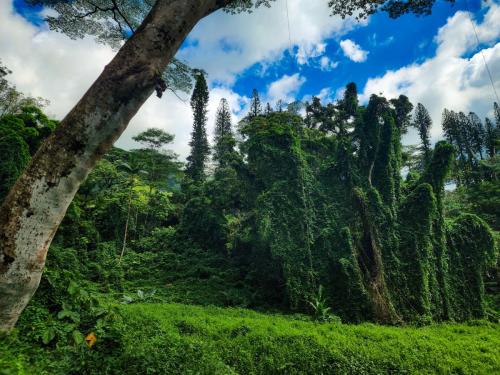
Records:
x=216, y=340
x=183, y=339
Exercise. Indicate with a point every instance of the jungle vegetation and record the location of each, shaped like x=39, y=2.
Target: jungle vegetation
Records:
x=147, y=36
x=321, y=213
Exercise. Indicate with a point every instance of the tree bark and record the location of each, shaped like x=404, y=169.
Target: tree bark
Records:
x=34, y=208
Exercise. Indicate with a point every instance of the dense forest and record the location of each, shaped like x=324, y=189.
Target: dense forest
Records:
x=315, y=209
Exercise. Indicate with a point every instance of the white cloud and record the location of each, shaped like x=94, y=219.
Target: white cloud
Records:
x=307, y=52
x=262, y=37
x=49, y=65
x=453, y=78
x=326, y=64
x=353, y=51
x=175, y=116
x=285, y=88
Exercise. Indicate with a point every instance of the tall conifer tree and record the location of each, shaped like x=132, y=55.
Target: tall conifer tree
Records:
x=476, y=134
x=491, y=138
x=255, y=106
x=199, y=143
x=422, y=122
x=269, y=109
x=224, y=137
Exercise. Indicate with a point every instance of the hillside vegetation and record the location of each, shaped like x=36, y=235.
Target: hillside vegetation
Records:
x=295, y=227
x=175, y=339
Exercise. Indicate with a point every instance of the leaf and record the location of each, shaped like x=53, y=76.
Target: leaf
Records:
x=74, y=316
x=48, y=335
x=73, y=288
x=63, y=314
x=77, y=337
x=100, y=311
x=84, y=295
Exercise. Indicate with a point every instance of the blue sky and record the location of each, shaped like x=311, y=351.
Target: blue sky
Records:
x=391, y=43
x=433, y=59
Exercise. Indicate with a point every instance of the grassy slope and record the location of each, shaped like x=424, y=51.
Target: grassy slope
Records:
x=184, y=339
x=215, y=340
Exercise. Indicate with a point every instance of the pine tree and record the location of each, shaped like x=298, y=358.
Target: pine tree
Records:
x=199, y=144
x=269, y=109
x=350, y=100
x=224, y=137
x=255, y=105
x=279, y=106
x=476, y=134
x=491, y=138
x=422, y=122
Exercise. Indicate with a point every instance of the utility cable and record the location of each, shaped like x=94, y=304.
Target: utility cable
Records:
x=482, y=53
x=288, y=23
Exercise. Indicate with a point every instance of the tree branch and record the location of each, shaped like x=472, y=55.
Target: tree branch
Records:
x=122, y=16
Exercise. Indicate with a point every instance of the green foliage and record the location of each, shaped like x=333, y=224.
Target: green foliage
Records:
x=198, y=157
x=473, y=141
x=140, y=296
x=255, y=105
x=23, y=126
x=347, y=222
x=472, y=250
x=181, y=339
x=224, y=148
x=12, y=101
x=307, y=215
x=422, y=122
x=321, y=311
x=64, y=309
x=417, y=264
x=15, y=156
x=154, y=138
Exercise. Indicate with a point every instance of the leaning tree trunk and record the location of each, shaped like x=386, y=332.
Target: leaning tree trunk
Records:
x=34, y=208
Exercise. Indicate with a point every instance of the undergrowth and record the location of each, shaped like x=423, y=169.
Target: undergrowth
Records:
x=152, y=338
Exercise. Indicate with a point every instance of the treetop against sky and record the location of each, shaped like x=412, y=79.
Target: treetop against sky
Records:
x=434, y=60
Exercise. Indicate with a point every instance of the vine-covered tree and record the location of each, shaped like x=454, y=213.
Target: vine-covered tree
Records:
x=314, y=113
x=402, y=107
x=200, y=149
x=383, y=252
x=350, y=101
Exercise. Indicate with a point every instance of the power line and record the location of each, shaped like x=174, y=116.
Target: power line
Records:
x=288, y=23
x=482, y=53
